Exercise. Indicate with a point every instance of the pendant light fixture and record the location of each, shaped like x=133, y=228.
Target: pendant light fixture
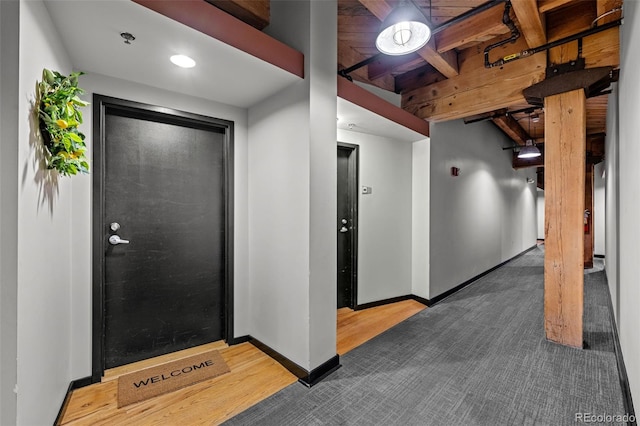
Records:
x=530, y=150
x=403, y=31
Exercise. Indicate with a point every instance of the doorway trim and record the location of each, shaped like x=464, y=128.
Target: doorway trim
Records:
x=164, y=115
x=353, y=185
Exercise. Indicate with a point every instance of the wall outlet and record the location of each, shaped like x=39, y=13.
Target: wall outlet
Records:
x=367, y=190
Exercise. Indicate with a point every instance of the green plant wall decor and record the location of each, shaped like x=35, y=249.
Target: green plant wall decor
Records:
x=60, y=115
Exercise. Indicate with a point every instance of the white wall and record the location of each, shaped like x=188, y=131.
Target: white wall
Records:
x=599, y=209
x=540, y=213
x=612, y=264
x=482, y=217
x=384, y=216
x=420, y=218
x=54, y=254
x=292, y=192
x=9, y=77
x=279, y=222
x=323, y=111
x=629, y=200
x=45, y=238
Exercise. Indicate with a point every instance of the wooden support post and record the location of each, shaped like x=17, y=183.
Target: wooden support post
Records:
x=588, y=226
x=565, y=143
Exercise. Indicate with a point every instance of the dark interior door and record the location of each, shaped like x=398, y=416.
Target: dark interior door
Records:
x=346, y=226
x=164, y=192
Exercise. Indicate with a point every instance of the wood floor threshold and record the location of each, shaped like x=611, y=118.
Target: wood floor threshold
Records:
x=357, y=327
x=114, y=373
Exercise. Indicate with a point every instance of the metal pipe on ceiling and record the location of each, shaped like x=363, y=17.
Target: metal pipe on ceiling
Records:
x=345, y=71
x=528, y=52
x=515, y=34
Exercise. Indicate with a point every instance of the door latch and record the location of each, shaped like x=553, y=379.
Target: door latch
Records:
x=114, y=240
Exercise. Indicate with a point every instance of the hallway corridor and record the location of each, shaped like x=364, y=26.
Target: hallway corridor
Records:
x=478, y=357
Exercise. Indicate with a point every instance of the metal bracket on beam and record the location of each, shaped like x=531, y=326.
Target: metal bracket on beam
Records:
x=567, y=67
x=593, y=80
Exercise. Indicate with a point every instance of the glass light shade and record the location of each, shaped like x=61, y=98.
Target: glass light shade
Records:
x=404, y=31
x=529, y=151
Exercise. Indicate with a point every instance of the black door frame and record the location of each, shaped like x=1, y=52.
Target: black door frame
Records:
x=165, y=115
x=353, y=185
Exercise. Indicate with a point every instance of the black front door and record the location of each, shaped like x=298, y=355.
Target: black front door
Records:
x=346, y=224
x=164, y=233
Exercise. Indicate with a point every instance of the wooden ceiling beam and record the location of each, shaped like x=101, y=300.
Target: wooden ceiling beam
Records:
x=348, y=57
x=602, y=49
x=386, y=64
x=256, y=13
x=446, y=63
x=478, y=89
x=364, y=24
x=475, y=28
x=476, y=100
x=548, y=5
x=486, y=116
x=570, y=20
x=417, y=78
x=604, y=6
x=531, y=22
x=512, y=128
x=379, y=8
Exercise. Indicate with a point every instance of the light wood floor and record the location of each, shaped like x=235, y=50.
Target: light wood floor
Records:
x=356, y=327
x=254, y=376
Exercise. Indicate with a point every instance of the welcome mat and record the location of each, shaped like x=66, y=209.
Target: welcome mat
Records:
x=168, y=377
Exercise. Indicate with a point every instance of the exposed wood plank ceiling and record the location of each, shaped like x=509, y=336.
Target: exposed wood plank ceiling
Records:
x=447, y=79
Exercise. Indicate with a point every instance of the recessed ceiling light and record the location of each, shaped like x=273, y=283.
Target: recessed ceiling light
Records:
x=183, y=61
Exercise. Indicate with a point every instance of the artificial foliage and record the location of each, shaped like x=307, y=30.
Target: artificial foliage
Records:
x=60, y=116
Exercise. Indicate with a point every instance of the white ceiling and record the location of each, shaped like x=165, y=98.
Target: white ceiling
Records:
x=90, y=31
x=222, y=74
x=365, y=121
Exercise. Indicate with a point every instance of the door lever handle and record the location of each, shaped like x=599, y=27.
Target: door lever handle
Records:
x=115, y=240
x=344, y=229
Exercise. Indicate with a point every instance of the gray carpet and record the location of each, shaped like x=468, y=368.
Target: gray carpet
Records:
x=478, y=357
